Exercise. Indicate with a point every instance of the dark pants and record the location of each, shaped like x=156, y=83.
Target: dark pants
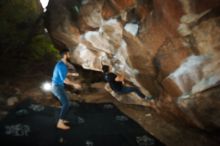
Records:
x=59, y=92
x=125, y=90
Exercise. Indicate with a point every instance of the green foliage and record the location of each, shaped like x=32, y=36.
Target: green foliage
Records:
x=16, y=17
x=21, y=48
x=41, y=47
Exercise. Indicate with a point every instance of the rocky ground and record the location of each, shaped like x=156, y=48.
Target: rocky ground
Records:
x=170, y=131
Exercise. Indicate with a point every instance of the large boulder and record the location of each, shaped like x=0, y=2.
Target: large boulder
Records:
x=169, y=49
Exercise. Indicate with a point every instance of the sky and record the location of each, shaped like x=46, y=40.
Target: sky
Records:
x=44, y=3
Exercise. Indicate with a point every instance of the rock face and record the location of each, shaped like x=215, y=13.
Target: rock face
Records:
x=170, y=49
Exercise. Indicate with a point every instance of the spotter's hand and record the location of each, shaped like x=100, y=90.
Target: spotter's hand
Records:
x=73, y=74
x=77, y=86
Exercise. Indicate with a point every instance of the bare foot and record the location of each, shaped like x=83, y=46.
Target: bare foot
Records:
x=61, y=125
x=66, y=122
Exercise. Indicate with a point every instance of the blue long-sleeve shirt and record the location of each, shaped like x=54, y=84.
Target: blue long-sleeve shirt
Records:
x=59, y=73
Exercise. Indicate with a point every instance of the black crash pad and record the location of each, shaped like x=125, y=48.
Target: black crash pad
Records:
x=32, y=124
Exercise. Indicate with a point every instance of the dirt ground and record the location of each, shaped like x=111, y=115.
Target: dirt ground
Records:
x=169, y=131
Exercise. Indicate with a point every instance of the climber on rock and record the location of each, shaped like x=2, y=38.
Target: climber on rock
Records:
x=116, y=83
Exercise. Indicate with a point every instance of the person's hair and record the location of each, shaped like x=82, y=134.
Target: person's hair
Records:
x=105, y=68
x=64, y=51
